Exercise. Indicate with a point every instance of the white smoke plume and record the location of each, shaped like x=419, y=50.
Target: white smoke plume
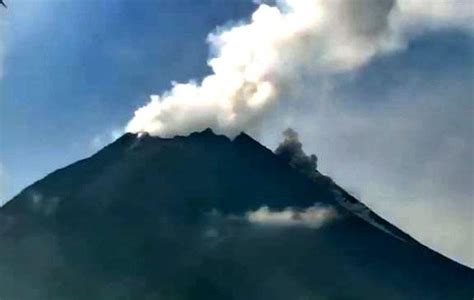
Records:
x=252, y=63
x=312, y=217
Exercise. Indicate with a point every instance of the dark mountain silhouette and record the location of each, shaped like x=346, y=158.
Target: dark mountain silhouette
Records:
x=154, y=218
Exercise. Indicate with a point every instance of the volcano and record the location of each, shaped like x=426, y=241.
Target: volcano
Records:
x=207, y=217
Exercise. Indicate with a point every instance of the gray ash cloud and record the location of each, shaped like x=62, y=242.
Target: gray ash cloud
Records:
x=291, y=150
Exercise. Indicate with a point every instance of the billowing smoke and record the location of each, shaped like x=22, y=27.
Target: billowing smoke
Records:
x=253, y=63
x=291, y=150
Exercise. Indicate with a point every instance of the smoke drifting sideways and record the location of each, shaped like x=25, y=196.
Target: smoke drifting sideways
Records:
x=253, y=62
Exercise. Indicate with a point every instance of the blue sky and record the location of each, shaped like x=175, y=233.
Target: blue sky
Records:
x=76, y=70
x=398, y=132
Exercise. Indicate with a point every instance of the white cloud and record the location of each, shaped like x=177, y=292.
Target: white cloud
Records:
x=312, y=217
x=424, y=14
x=252, y=63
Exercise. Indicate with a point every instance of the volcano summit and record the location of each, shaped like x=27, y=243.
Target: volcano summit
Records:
x=206, y=217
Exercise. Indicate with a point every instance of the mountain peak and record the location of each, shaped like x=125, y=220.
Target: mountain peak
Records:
x=243, y=137
x=188, y=217
x=206, y=134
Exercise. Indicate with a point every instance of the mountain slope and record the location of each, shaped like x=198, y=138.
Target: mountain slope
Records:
x=153, y=218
